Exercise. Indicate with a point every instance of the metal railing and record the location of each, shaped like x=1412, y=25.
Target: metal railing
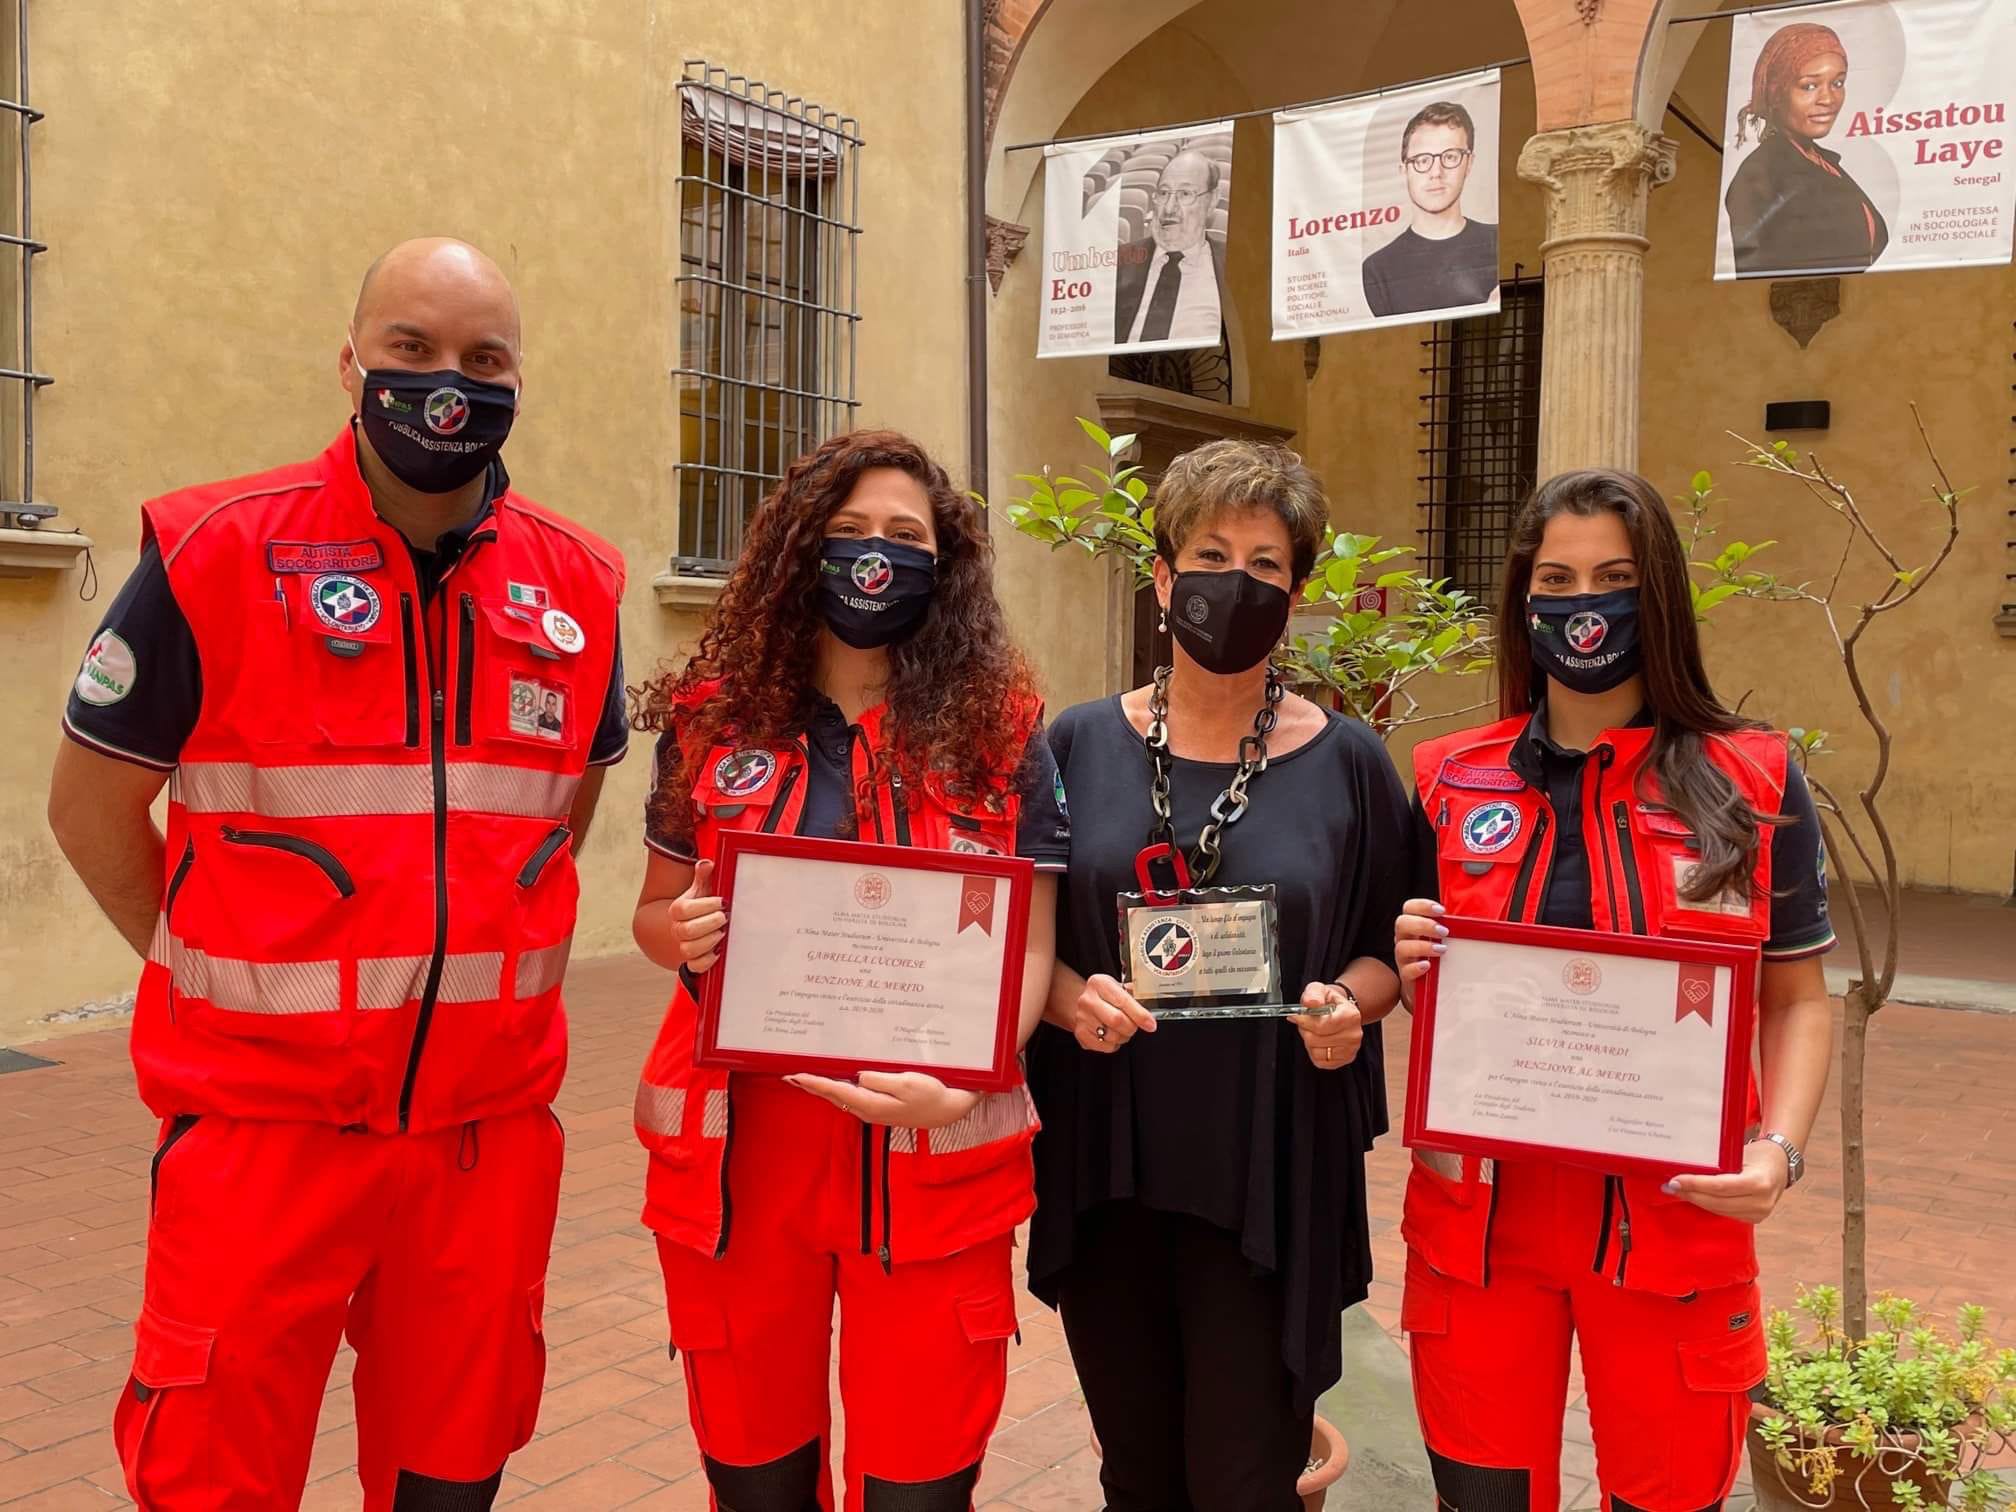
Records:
x=769, y=296
x=1480, y=445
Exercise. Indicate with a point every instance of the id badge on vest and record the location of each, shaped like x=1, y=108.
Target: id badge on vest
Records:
x=1201, y=952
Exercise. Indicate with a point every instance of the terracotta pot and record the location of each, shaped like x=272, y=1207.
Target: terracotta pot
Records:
x=1329, y=1457
x=1864, y=1485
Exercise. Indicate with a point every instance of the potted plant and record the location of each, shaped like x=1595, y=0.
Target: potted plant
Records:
x=1903, y=1420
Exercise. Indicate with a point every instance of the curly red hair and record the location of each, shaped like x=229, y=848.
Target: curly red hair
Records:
x=951, y=684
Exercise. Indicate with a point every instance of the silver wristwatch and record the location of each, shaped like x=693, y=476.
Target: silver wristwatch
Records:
x=1795, y=1162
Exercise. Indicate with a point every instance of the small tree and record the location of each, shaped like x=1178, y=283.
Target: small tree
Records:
x=1369, y=656
x=1854, y=830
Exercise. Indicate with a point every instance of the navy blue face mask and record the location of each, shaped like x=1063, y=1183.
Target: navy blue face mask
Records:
x=875, y=592
x=1587, y=642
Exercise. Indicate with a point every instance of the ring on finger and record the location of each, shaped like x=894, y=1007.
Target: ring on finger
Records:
x=1100, y=1031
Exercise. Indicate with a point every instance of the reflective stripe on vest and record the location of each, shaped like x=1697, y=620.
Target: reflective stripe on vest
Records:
x=356, y=789
x=661, y=1110
x=383, y=982
x=998, y=1115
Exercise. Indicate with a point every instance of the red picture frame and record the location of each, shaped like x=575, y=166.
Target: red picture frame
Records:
x=1017, y=872
x=1743, y=963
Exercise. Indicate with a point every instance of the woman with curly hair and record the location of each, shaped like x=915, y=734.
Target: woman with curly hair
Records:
x=1792, y=207
x=855, y=680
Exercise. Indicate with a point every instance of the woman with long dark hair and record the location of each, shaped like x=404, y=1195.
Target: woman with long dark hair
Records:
x=855, y=681
x=1614, y=793
x=1792, y=207
x=1202, y=1223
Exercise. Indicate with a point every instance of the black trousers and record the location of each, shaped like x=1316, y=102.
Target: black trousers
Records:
x=1177, y=1341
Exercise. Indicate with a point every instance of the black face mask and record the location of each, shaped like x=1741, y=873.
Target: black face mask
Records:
x=1587, y=642
x=876, y=592
x=1226, y=621
x=436, y=431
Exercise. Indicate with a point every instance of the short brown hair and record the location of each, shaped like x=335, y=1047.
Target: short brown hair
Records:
x=1241, y=475
x=1441, y=113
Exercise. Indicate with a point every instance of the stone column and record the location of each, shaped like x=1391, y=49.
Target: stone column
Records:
x=1598, y=179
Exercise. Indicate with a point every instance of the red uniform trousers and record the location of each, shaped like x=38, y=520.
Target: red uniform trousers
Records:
x=923, y=1344
x=270, y=1241
x=1667, y=1377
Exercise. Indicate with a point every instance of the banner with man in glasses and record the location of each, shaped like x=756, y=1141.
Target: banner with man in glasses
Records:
x=1134, y=242
x=1386, y=209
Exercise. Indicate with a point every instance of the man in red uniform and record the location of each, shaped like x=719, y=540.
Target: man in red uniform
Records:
x=369, y=681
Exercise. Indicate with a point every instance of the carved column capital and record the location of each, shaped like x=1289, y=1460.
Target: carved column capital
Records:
x=1004, y=241
x=1597, y=178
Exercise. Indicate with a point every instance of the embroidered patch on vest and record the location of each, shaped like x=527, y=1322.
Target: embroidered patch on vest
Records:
x=1460, y=774
x=343, y=602
x=740, y=773
x=323, y=556
x=1490, y=827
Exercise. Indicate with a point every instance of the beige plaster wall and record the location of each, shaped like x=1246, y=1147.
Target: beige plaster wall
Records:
x=213, y=183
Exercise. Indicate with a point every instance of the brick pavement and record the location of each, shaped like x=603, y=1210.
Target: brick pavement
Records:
x=74, y=1146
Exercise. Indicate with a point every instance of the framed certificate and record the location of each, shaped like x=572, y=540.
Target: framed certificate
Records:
x=843, y=957
x=1626, y=1053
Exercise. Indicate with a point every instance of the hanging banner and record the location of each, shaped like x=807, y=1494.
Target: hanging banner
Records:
x=1869, y=136
x=1386, y=209
x=1134, y=242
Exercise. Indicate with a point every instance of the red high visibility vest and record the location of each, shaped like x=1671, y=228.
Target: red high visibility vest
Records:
x=371, y=891
x=1494, y=844
x=932, y=1192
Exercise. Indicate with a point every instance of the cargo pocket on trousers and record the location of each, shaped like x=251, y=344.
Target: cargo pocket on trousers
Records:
x=1424, y=1301
x=532, y=1385
x=700, y=1332
x=1728, y=1366
x=989, y=1319
x=169, y=1359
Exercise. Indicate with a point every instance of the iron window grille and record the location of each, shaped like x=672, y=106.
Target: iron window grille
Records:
x=1481, y=435
x=769, y=285
x=19, y=507
x=1205, y=373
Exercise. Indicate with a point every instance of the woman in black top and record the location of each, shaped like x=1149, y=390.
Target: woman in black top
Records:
x=1792, y=207
x=1200, y=1216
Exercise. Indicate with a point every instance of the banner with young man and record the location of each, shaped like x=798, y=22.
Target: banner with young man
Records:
x=1386, y=209
x=1869, y=136
x=1134, y=242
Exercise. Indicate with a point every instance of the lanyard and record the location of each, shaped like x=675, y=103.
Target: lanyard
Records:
x=1226, y=809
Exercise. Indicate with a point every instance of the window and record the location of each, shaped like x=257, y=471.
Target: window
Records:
x=1202, y=374
x=1482, y=446
x=768, y=205
x=19, y=381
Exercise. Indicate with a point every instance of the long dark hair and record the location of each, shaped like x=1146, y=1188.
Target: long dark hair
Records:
x=952, y=684
x=1685, y=711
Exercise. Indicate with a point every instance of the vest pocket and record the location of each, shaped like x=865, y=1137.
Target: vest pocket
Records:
x=330, y=671
x=1668, y=854
x=545, y=894
x=512, y=684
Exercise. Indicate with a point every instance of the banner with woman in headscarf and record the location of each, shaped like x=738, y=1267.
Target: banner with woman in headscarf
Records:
x=1869, y=136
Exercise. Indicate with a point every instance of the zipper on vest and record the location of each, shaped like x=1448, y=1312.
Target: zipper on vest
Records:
x=867, y=1189
x=1527, y=863
x=887, y=1136
x=412, y=659
x=776, y=815
x=898, y=813
x=180, y=876
x=307, y=850
x=1609, y=871
x=536, y=862
x=1609, y=1216
x=1491, y=1221
x=465, y=669
x=1628, y=857
x=1623, y=1230
x=727, y=1149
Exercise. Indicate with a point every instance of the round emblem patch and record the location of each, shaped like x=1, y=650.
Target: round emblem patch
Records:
x=344, y=602
x=446, y=411
x=1581, y=976
x=871, y=890
x=1587, y=630
x=1197, y=610
x=1490, y=827
x=741, y=773
x=108, y=672
x=563, y=632
x=1169, y=947
x=872, y=572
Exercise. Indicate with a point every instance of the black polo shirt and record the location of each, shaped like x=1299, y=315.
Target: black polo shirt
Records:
x=1042, y=832
x=1800, y=926
x=150, y=720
